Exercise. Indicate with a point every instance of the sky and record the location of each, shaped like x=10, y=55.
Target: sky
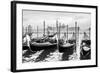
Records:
x=36, y=18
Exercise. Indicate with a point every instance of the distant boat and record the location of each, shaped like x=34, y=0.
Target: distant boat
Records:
x=85, y=36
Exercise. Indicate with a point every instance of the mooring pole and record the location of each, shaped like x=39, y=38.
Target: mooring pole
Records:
x=59, y=30
x=37, y=31
x=67, y=33
x=44, y=28
x=57, y=35
x=76, y=35
x=89, y=33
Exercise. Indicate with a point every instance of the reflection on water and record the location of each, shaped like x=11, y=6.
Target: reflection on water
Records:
x=44, y=54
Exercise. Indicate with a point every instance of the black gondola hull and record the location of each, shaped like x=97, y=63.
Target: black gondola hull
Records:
x=25, y=47
x=42, y=47
x=67, y=49
x=88, y=42
x=84, y=55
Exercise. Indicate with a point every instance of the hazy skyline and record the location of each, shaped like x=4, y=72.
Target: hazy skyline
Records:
x=36, y=18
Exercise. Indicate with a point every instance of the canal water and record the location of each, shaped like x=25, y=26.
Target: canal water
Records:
x=52, y=55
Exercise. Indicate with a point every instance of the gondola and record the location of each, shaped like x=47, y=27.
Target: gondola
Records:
x=69, y=48
x=85, y=52
x=86, y=39
x=25, y=47
x=69, y=45
x=40, y=46
x=85, y=48
x=72, y=41
x=43, y=43
x=87, y=42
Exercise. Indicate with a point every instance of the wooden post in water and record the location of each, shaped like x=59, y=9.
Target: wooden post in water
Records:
x=53, y=29
x=44, y=28
x=26, y=31
x=37, y=31
x=78, y=32
x=57, y=35
x=79, y=43
x=59, y=30
x=47, y=31
x=76, y=35
x=57, y=27
x=67, y=33
x=89, y=33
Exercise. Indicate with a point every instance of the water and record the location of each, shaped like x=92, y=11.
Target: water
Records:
x=52, y=54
